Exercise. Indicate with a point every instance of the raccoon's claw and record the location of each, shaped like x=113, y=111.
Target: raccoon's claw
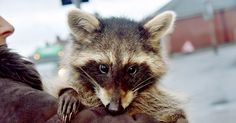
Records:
x=68, y=105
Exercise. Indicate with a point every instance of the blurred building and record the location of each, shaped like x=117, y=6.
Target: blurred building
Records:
x=201, y=22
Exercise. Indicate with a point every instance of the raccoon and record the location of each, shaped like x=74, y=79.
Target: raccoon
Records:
x=117, y=63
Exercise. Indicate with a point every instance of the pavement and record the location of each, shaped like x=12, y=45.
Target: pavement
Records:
x=209, y=81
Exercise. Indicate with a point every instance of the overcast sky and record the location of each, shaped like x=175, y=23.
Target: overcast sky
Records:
x=39, y=21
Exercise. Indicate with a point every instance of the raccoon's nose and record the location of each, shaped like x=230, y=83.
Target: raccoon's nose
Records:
x=115, y=108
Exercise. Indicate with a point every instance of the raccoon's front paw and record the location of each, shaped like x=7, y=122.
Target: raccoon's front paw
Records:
x=69, y=104
x=178, y=116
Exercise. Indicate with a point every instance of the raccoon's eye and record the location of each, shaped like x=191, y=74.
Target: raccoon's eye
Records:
x=132, y=70
x=103, y=68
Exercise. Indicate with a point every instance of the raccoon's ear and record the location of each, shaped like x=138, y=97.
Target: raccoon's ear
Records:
x=82, y=23
x=159, y=26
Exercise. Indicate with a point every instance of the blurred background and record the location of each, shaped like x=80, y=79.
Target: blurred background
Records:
x=201, y=51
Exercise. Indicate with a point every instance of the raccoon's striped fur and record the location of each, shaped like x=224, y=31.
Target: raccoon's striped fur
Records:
x=117, y=63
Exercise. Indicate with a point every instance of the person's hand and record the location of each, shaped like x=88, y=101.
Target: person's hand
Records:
x=6, y=29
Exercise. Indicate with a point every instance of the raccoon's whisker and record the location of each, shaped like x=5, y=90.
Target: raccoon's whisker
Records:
x=92, y=80
x=140, y=83
x=142, y=86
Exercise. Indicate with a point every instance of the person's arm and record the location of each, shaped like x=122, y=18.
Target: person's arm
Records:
x=100, y=115
x=23, y=104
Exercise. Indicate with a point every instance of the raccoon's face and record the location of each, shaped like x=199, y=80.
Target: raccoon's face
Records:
x=116, y=57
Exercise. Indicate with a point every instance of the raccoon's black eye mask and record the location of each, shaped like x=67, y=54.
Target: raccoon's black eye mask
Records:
x=131, y=75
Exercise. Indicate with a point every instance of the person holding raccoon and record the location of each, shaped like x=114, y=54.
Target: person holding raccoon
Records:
x=101, y=87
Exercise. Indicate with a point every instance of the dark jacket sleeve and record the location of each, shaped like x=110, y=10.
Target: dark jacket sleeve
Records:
x=22, y=104
x=19, y=103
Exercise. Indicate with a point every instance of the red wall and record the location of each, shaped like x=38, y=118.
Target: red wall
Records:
x=197, y=30
x=230, y=18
